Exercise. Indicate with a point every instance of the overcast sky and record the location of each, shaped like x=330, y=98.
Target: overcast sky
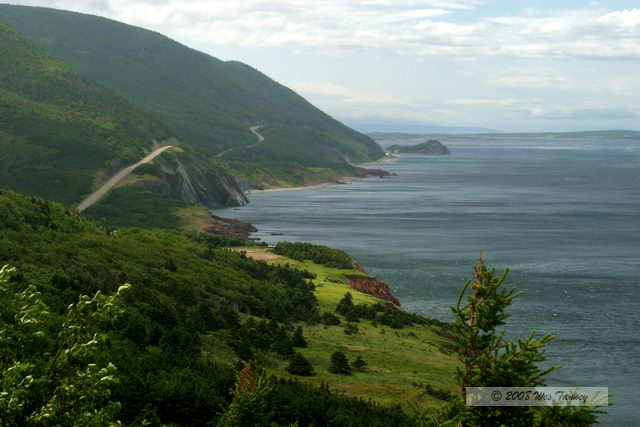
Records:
x=512, y=65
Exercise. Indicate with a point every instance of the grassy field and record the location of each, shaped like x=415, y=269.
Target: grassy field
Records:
x=401, y=362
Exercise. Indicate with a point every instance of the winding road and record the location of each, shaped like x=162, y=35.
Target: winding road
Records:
x=254, y=130
x=114, y=180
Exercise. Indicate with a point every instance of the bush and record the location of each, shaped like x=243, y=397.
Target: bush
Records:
x=351, y=329
x=330, y=319
x=359, y=364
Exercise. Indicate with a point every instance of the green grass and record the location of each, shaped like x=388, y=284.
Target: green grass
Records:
x=400, y=361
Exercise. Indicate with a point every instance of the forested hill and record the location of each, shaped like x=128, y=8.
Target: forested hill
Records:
x=62, y=134
x=207, y=102
x=185, y=325
x=57, y=127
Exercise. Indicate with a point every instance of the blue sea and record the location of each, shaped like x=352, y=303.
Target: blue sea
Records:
x=562, y=214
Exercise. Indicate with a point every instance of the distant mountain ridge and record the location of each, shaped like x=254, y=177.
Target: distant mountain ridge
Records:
x=206, y=102
x=578, y=134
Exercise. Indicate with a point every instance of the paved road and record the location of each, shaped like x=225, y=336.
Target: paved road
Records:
x=254, y=130
x=117, y=178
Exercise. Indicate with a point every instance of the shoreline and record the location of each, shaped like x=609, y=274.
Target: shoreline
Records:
x=343, y=180
x=388, y=158
x=304, y=187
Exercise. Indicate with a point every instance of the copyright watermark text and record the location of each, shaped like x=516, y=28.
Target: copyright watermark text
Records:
x=537, y=396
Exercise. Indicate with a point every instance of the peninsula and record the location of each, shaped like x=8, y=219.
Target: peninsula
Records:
x=430, y=147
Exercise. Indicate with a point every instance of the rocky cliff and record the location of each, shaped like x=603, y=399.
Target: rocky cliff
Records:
x=195, y=181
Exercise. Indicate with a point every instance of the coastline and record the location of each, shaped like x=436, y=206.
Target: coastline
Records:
x=304, y=187
x=344, y=180
x=388, y=158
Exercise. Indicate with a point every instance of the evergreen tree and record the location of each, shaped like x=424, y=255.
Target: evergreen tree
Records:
x=298, y=339
x=243, y=349
x=282, y=344
x=298, y=365
x=346, y=304
x=330, y=319
x=339, y=364
x=249, y=402
x=488, y=360
x=359, y=364
x=351, y=316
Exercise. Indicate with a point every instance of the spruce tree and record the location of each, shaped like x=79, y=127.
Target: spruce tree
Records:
x=346, y=304
x=282, y=344
x=488, y=360
x=298, y=339
x=249, y=404
x=339, y=364
x=298, y=365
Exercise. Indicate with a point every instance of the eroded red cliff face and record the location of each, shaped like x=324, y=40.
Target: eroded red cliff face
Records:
x=373, y=287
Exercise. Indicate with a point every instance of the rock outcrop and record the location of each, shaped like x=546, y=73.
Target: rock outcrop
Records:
x=378, y=172
x=196, y=181
x=373, y=287
x=229, y=227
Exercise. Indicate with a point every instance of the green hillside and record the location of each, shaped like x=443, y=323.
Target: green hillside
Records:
x=62, y=135
x=205, y=101
x=196, y=309
x=59, y=128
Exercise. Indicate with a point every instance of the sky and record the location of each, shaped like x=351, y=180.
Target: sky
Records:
x=509, y=65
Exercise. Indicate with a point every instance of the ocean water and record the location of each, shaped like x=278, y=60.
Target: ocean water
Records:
x=562, y=214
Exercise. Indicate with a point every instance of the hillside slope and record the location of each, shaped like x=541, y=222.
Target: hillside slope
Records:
x=62, y=134
x=196, y=309
x=58, y=128
x=205, y=101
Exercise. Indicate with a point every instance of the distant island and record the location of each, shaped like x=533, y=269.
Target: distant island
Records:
x=431, y=147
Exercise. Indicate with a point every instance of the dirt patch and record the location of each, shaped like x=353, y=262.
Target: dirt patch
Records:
x=258, y=254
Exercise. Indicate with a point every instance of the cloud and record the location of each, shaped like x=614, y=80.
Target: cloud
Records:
x=420, y=28
x=582, y=114
x=374, y=106
x=531, y=81
x=337, y=93
x=624, y=18
x=492, y=101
